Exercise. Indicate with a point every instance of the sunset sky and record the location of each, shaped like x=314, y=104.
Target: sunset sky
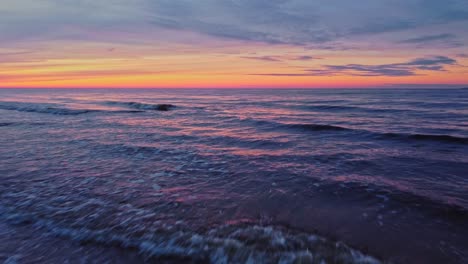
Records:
x=233, y=43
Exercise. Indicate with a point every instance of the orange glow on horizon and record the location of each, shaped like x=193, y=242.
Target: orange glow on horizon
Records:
x=94, y=65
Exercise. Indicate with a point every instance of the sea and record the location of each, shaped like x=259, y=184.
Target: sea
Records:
x=234, y=176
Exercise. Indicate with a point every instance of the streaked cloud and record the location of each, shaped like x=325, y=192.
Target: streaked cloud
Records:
x=429, y=38
x=302, y=22
x=281, y=58
x=296, y=22
x=436, y=63
x=409, y=68
x=445, y=40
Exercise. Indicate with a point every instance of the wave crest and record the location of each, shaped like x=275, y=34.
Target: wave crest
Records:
x=390, y=136
x=144, y=106
x=44, y=109
x=317, y=127
x=244, y=243
x=426, y=137
x=53, y=109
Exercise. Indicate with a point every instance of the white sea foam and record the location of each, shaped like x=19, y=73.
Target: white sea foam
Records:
x=223, y=244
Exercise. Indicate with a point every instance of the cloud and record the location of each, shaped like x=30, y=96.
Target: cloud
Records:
x=364, y=70
x=435, y=63
x=305, y=58
x=304, y=22
x=428, y=38
x=446, y=40
x=293, y=22
x=445, y=11
x=246, y=20
x=435, y=60
x=383, y=26
x=262, y=58
x=409, y=68
x=281, y=58
x=131, y=34
x=50, y=20
x=283, y=74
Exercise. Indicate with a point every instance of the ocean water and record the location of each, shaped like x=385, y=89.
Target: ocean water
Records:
x=234, y=176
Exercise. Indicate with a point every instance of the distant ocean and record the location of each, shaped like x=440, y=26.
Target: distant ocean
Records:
x=234, y=176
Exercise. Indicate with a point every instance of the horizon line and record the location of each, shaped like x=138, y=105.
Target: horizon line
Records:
x=234, y=88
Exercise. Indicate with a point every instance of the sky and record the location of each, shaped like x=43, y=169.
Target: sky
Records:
x=233, y=43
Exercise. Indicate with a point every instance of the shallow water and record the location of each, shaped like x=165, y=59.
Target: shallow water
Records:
x=231, y=176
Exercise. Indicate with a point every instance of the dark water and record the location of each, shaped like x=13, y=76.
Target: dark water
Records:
x=234, y=176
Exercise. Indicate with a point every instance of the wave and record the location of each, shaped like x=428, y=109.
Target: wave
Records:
x=44, y=109
x=296, y=126
x=239, y=243
x=54, y=110
x=352, y=108
x=143, y=106
x=127, y=149
x=142, y=151
x=422, y=111
x=425, y=137
x=317, y=127
x=333, y=107
x=394, y=197
x=392, y=136
x=6, y=124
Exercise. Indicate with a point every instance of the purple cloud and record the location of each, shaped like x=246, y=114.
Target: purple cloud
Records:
x=435, y=63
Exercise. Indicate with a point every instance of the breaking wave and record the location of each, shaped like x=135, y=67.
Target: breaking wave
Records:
x=143, y=106
x=426, y=137
x=54, y=110
x=392, y=136
x=240, y=243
